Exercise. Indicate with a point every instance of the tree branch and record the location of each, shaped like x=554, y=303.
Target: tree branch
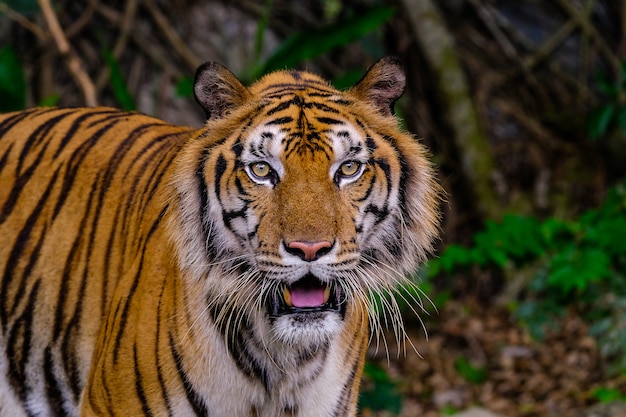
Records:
x=172, y=36
x=22, y=21
x=73, y=62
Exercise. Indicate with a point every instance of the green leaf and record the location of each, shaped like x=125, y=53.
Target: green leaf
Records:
x=50, y=101
x=608, y=395
x=621, y=118
x=609, y=235
x=600, y=120
x=118, y=83
x=469, y=372
x=606, y=86
x=24, y=7
x=184, y=87
x=379, y=391
x=555, y=232
x=575, y=268
x=307, y=45
x=347, y=79
x=499, y=257
x=453, y=257
x=260, y=31
x=521, y=236
x=12, y=81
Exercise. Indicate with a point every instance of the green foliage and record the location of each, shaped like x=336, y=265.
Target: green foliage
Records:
x=24, y=7
x=50, y=101
x=379, y=391
x=469, y=372
x=261, y=28
x=608, y=395
x=448, y=410
x=118, y=83
x=304, y=46
x=611, y=114
x=515, y=238
x=12, y=81
x=572, y=264
x=184, y=87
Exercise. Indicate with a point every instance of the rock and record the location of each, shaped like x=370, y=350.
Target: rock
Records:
x=614, y=409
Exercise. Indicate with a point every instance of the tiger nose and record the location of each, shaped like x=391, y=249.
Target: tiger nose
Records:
x=309, y=251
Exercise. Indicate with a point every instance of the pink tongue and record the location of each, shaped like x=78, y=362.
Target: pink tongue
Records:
x=307, y=297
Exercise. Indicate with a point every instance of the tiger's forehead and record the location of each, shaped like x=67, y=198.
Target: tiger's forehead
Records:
x=297, y=130
x=302, y=116
x=281, y=83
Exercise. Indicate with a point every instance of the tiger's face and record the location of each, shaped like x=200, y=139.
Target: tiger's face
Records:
x=308, y=199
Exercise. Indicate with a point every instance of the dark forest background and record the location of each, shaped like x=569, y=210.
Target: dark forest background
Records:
x=523, y=106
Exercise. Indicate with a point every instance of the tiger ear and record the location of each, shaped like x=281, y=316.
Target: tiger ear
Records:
x=217, y=90
x=382, y=85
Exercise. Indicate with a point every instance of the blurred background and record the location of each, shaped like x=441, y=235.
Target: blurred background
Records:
x=523, y=107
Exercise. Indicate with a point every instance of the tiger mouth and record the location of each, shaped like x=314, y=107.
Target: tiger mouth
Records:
x=307, y=295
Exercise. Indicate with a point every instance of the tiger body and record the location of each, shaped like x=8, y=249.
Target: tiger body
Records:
x=157, y=270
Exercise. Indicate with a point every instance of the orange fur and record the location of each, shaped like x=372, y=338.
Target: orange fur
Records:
x=144, y=264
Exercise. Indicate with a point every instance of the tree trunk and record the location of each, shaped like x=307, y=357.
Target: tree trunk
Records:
x=437, y=45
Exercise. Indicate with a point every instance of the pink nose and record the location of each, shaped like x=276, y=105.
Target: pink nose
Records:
x=309, y=251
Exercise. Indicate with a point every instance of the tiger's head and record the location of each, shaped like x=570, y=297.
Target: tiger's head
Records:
x=298, y=201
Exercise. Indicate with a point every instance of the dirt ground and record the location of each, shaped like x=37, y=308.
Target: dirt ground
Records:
x=476, y=356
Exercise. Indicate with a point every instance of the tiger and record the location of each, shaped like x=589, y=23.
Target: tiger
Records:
x=150, y=269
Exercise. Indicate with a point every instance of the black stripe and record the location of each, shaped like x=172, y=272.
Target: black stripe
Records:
x=282, y=106
x=342, y=102
x=318, y=85
x=343, y=405
x=192, y=395
x=76, y=125
x=22, y=176
x=70, y=358
x=323, y=107
x=141, y=394
x=17, y=254
x=405, y=171
x=240, y=335
x=5, y=157
x=162, y=382
x=40, y=134
x=77, y=159
x=237, y=148
x=19, y=343
x=384, y=166
x=68, y=272
x=139, y=194
x=54, y=392
x=329, y=121
x=203, y=194
x=131, y=293
x=380, y=213
x=371, y=144
x=290, y=410
x=280, y=121
x=11, y=120
x=227, y=215
x=322, y=95
x=220, y=169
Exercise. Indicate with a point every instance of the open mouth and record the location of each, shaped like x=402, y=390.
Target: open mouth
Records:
x=307, y=295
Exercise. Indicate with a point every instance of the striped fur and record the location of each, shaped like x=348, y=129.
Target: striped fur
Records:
x=156, y=270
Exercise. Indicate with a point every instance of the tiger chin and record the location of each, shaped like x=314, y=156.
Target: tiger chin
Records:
x=160, y=270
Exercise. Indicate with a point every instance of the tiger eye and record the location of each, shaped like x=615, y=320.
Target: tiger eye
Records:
x=349, y=168
x=260, y=169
